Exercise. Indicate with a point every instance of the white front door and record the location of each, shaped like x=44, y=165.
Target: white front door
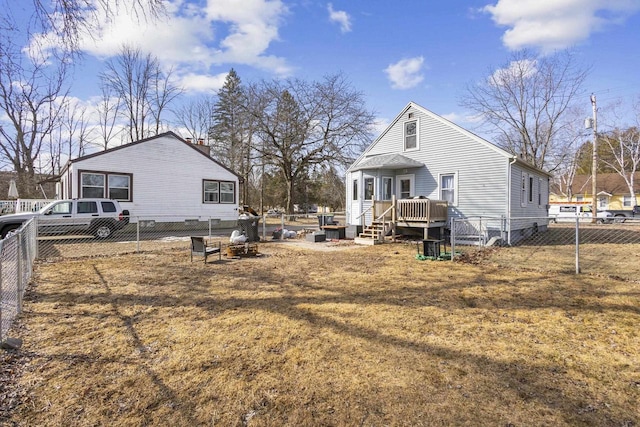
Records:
x=603, y=202
x=405, y=187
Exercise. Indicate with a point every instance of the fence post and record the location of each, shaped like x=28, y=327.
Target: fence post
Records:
x=281, y=227
x=264, y=227
x=1, y=294
x=453, y=238
x=577, y=245
x=138, y=235
x=19, y=266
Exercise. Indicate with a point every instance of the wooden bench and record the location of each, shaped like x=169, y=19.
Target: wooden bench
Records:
x=199, y=247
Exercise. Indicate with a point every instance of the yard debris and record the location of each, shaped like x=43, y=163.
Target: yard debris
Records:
x=11, y=344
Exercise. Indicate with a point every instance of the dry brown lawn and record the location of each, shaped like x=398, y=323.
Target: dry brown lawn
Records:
x=298, y=337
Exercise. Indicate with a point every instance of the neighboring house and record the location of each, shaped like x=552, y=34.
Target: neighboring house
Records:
x=423, y=154
x=163, y=178
x=612, y=191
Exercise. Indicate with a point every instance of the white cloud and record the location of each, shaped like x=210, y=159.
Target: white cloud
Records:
x=341, y=17
x=515, y=72
x=194, y=38
x=192, y=82
x=556, y=24
x=406, y=73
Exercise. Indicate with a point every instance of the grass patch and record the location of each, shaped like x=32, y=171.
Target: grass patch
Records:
x=367, y=336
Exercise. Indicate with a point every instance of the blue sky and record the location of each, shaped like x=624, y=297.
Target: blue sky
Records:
x=394, y=52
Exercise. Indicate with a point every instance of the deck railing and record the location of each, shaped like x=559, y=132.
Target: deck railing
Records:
x=22, y=205
x=422, y=210
x=411, y=210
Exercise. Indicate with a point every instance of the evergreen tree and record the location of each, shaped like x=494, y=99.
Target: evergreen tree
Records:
x=230, y=134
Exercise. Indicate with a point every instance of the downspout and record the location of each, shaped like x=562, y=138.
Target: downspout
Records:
x=508, y=219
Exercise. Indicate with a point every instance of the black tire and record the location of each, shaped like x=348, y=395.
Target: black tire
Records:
x=102, y=231
x=619, y=219
x=9, y=228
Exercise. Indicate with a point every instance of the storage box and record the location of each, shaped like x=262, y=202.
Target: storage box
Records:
x=316, y=237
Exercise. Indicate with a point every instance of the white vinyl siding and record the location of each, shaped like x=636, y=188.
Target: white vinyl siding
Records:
x=487, y=178
x=166, y=179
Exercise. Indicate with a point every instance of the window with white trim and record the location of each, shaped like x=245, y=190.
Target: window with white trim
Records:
x=580, y=199
x=530, y=191
x=218, y=191
x=523, y=190
x=355, y=189
x=92, y=184
x=115, y=186
x=368, y=188
x=119, y=186
x=627, y=201
x=387, y=185
x=539, y=192
x=448, y=188
x=411, y=135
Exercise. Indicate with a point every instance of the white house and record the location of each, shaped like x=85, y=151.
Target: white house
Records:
x=423, y=154
x=163, y=178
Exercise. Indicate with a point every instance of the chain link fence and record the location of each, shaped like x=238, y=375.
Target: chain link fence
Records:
x=574, y=245
x=162, y=232
x=17, y=254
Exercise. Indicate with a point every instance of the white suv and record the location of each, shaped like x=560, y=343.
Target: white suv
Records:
x=569, y=212
x=99, y=217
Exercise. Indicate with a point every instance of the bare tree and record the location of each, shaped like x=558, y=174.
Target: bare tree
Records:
x=195, y=117
x=32, y=98
x=623, y=149
x=142, y=88
x=304, y=124
x=108, y=111
x=525, y=104
x=68, y=139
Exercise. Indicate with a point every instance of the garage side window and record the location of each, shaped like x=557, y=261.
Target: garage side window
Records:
x=115, y=186
x=119, y=187
x=218, y=191
x=92, y=184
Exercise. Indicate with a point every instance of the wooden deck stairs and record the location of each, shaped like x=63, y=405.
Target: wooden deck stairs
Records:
x=386, y=216
x=373, y=234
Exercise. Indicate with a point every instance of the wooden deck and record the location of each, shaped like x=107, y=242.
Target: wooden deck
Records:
x=411, y=213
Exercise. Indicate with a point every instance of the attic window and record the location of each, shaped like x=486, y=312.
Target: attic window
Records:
x=411, y=135
x=411, y=115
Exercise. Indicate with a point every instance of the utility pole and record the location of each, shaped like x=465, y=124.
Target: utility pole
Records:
x=594, y=166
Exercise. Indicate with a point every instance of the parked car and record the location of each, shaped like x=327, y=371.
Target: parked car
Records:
x=568, y=212
x=99, y=217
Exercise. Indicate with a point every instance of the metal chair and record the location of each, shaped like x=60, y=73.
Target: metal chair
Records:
x=199, y=248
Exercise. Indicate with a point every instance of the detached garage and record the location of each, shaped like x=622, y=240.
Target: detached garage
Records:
x=163, y=178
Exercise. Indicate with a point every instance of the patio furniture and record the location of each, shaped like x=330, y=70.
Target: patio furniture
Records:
x=199, y=247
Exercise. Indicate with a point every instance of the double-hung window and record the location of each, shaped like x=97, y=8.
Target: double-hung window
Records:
x=93, y=184
x=411, y=135
x=386, y=187
x=368, y=188
x=448, y=188
x=105, y=184
x=218, y=191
